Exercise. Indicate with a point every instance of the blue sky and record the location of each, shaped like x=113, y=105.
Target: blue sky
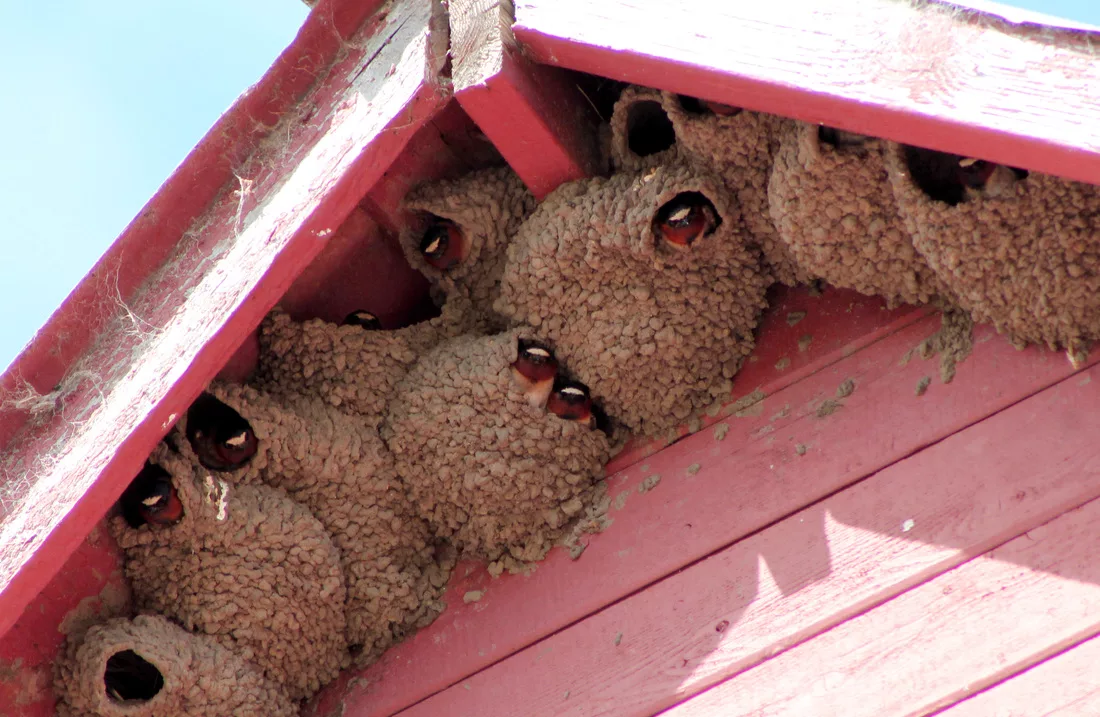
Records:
x=103, y=99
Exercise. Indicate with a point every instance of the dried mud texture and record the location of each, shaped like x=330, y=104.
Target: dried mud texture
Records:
x=201, y=678
x=488, y=206
x=1027, y=261
x=835, y=213
x=347, y=366
x=248, y=566
x=953, y=342
x=340, y=469
x=640, y=128
x=501, y=478
x=656, y=333
x=740, y=149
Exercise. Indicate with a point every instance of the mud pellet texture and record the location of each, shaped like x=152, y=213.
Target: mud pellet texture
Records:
x=588, y=272
x=501, y=478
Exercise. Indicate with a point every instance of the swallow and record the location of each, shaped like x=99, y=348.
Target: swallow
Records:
x=720, y=109
x=151, y=498
x=979, y=177
x=363, y=318
x=221, y=438
x=571, y=401
x=534, y=371
x=684, y=219
x=443, y=245
x=840, y=138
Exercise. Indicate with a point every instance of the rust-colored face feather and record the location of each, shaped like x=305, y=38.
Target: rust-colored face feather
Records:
x=684, y=219
x=364, y=319
x=221, y=438
x=151, y=498
x=534, y=370
x=443, y=245
x=571, y=401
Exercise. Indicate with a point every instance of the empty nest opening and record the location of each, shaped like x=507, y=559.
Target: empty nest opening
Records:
x=129, y=677
x=648, y=129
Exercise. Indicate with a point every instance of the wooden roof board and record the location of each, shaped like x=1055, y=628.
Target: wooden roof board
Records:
x=1019, y=106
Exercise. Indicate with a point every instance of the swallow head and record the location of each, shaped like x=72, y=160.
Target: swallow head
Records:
x=571, y=401
x=364, y=319
x=720, y=109
x=443, y=245
x=151, y=499
x=684, y=219
x=534, y=370
x=221, y=438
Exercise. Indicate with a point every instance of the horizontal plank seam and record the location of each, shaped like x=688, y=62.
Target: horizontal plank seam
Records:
x=1021, y=667
x=747, y=536
x=785, y=381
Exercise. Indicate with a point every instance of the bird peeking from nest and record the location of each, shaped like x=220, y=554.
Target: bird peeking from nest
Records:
x=954, y=179
x=534, y=371
x=443, y=245
x=151, y=499
x=684, y=219
x=221, y=438
x=363, y=319
x=572, y=401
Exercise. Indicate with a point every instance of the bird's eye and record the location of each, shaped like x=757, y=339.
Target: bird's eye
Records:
x=364, y=319
x=221, y=438
x=684, y=219
x=443, y=245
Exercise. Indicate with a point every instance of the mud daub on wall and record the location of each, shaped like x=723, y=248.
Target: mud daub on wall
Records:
x=248, y=566
x=498, y=476
x=1020, y=252
x=593, y=272
x=471, y=221
x=352, y=368
x=151, y=667
x=835, y=212
x=338, y=467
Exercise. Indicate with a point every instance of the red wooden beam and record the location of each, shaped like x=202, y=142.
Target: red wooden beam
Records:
x=161, y=346
x=153, y=235
x=716, y=486
x=536, y=116
x=919, y=73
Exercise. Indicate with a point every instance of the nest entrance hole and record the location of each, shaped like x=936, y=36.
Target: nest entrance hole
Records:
x=938, y=174
x=129, y=677
x=648, y=129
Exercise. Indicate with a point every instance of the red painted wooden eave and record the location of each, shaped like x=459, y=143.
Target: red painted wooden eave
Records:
x=150, y=354
x=939, y=78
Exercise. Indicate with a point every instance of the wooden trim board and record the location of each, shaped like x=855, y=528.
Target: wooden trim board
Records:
x=229, y=269
x=828, y=562
x=921, y=73
x=756, y=467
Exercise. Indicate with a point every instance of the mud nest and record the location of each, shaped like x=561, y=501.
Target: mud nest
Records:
x=350, y=367
x=836, y=215
x=650, y=127
x=500, y=477
x=247, y=566
x=473, y=218
x=340, y=469
x=1021, y=254
x=598, y=272
x=150, y=667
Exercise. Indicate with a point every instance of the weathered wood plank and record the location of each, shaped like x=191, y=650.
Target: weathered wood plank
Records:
x=1063, y=686
x=536, y=116
x=711, y=493
x=952, y=636
x=921, y=73
x=733, y=610
x=229, y=268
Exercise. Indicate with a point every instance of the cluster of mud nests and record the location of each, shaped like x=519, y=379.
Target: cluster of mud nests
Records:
x=308, y=520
